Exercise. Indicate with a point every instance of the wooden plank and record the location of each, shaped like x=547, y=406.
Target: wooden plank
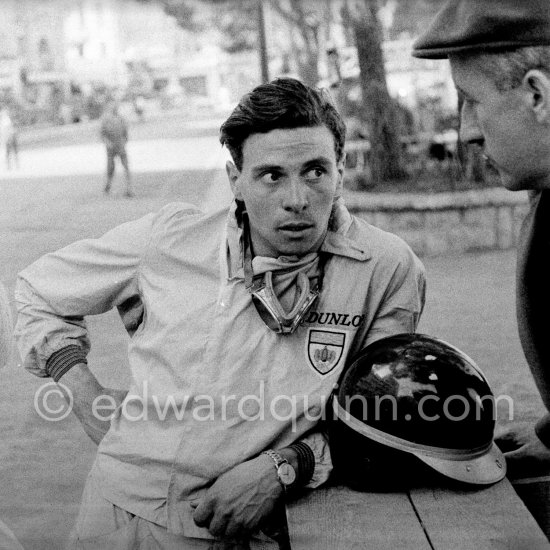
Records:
x=337, y=518
x=477, y=519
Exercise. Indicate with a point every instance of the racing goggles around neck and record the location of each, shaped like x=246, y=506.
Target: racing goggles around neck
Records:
x=272, y=312
x=265, y=299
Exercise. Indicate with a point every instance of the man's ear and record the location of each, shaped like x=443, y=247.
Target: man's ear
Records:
x=537, y=84
x=233, y=176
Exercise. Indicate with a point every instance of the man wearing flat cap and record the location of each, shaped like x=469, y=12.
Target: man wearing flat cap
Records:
x=499, y=52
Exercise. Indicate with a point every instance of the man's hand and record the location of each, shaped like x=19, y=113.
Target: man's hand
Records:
x=526, y=455
x=241, y=500
x=84, y=388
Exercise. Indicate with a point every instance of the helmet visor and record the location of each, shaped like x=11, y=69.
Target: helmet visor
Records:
x=483, y=470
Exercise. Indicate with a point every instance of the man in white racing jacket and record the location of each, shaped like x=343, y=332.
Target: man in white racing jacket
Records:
x=241, y=322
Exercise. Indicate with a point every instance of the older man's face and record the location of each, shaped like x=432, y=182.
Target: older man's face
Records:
x=504, y=124
x=288, y=182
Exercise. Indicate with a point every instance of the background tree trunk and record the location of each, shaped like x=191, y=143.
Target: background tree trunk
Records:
x=379, y=113
x=262, y=43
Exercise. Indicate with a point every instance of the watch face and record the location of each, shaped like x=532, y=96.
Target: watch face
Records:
x=286, y=473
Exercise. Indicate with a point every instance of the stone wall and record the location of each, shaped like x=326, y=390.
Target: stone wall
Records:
x=446, y=223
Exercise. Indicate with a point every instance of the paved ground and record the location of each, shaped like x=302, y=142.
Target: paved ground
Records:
x=56, y=198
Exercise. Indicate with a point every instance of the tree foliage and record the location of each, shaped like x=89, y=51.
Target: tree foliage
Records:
x=305, y=20
x=182, y=10
x=238, y=22
x=412, y=16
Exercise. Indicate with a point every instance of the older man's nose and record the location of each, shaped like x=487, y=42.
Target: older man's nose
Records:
x=469, y=127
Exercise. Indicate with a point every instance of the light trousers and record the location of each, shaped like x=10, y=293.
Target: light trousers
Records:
x=102, y=525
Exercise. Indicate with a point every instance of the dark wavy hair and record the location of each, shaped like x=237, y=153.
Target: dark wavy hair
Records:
x=284, y=103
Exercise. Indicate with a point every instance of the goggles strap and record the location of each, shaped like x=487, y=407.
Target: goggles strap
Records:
x=247, y=254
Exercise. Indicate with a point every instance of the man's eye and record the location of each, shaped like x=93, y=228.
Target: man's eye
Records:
x=270, y=177
x=315, y=173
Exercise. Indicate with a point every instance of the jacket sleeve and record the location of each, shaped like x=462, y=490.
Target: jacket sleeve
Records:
x=404, y=293
x=317, y=441
x=89, y=277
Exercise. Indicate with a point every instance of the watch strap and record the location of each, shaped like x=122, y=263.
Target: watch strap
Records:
x=306, y=462
x=276, y=457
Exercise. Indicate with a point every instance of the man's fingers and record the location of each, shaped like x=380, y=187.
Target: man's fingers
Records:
x=217, y=527
x=203, y=513
x=232, y=530
x=223, y=526
x=507, y=442
x=509, y=438
x=505, y=432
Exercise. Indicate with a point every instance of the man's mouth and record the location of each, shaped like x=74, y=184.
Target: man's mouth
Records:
x=295, y=227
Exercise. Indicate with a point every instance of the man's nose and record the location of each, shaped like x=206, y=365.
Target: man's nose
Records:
x=296, y=197
x=469, y=127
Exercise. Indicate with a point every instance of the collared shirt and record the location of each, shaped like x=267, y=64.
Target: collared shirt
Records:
x=212, y=385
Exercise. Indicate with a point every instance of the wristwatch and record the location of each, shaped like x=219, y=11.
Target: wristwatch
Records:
x=285, y=471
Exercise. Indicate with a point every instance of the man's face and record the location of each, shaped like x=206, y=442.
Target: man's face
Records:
x=288, y=182
x=504, y=124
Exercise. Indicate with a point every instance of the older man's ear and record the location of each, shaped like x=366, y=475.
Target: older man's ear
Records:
x=536, y=84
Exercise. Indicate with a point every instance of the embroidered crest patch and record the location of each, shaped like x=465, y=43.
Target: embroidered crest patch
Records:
x=324, y=349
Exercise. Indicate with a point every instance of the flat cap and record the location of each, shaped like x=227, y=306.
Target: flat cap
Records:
x=485, y=25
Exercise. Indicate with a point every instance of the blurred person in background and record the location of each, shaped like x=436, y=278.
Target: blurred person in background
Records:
x=8, y=139
x=114, y=134
x=499, y=51
x=138, y=103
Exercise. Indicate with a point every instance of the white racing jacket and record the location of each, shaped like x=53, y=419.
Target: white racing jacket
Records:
x=212, y=385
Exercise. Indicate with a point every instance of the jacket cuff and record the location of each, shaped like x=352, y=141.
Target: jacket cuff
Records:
x=306, y=462
x=542, y=429
x=61, y=361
